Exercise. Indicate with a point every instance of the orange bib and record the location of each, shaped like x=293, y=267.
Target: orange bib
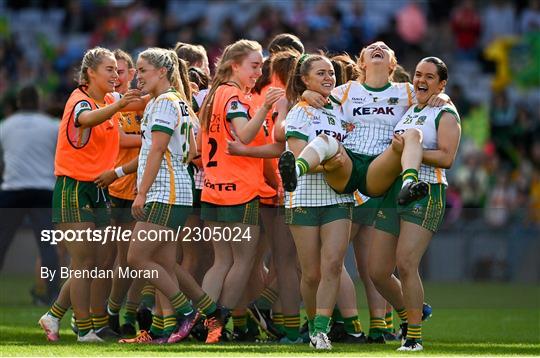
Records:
x=83, y=154
x=228, y=179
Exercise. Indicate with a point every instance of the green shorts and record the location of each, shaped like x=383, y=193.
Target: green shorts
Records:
x=360, y=165
x=365, y=214
x=247, y=214
x=121, y=210
x=317, y=216
x=80, y=201
x=167, y=215
x=427, y=212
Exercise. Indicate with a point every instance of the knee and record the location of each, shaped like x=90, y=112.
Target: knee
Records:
x=222, y=263
x=84, y=263
x=325, y=146
x=378, y=274
x=135, y=260
x=311, y=278
x=413, y=134
x=406, y=267
x=107, y=262
x=332, y=268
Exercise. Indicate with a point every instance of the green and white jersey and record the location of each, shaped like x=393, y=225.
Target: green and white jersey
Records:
x=167, y=113
x=427, y=120
x=306, y=123
x=371, y=114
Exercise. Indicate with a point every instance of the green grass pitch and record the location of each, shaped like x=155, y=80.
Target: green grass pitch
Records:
x=468, y=319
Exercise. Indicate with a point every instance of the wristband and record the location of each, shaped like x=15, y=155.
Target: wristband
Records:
x=119, y=172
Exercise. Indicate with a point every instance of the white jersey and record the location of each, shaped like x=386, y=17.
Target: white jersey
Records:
x=427, y=120
x=370, y=115
x=305, y=122
x=167, y=113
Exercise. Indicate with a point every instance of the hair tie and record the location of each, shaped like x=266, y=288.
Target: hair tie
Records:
x=303, y=58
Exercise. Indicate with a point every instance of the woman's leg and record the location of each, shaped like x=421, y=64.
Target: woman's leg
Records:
x=412, y=244
x=83, y=257
x=285, y=263
x=381, y=266
x=383, y=170
x=100, y=290
x=323, y=149
x=120, y=286
x=223, y=260
x=334, y=243
x=197, y=255
x=308, y=247
x=149, y=255
x=243, y=253
x=376, y=302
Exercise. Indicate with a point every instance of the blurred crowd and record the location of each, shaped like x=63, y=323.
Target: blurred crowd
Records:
x=492, y=49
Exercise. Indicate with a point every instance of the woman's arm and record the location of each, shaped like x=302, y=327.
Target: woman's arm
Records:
x=448, y=136
x=282, y=108
x=314, y=99
x=247, y=130
x=129, y=140
x=193, y=150
x=89, y=119
x=197, y=160
x=272, y=150
x=137, y=106
x=108, y=177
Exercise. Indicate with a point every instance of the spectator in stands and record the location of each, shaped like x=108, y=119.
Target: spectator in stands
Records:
x=466, y=26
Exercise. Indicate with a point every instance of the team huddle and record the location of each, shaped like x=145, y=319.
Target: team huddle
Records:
x=298, y=153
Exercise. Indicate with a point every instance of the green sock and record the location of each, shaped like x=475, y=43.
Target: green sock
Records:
x=100, y=321
x=279, y=321
x=169, y=324
x=252, y=326
x=336, y=315
x=302, y=167
x=130, y=316
x=267, y=299
x=377, y=327
x=311, y=326
x=414, y=331
x=389, y=319
x=148, y=298
x=84, y=326
x=205, y=305
x=240, y=322
x=409, y=175
x=181, y=304
x=156, y=329
x=322, y=324
x=352, y=325
x=113, y=308
x=57, y=311
x=402, y=313
x=292, y=326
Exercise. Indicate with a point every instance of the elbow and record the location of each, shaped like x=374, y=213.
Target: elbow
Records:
x=447, y=163
x=245, y=140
